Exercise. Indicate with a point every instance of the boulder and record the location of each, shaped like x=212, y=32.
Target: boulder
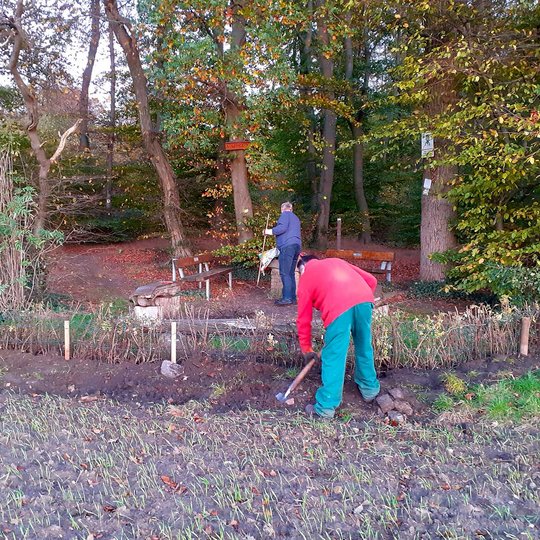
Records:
x=403, y=407
x=385, y=402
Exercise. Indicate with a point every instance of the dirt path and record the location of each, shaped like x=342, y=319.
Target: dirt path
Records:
x=93, y=274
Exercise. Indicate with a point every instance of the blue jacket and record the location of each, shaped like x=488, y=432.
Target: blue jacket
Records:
x=287, y=230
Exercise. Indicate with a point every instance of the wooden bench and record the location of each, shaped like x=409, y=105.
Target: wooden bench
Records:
x=386, y=258
x=203, y=273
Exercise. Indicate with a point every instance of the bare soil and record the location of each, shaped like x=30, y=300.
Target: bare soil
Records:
x=226, y=385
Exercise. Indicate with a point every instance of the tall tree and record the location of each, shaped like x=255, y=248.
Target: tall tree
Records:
x=438, y=214
x=84, y=139
x=233, y=106
x=358, y=51
x=112, y=120
x=16, y=35
x=326, y=62
x=171, y=198
x=436, y=234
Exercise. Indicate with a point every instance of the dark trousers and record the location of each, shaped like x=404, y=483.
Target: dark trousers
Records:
x=288, y=256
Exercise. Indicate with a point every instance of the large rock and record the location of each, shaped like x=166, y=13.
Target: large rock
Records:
x=385, y=402
x=170, y=370
x=403, y=407
x=397, y=393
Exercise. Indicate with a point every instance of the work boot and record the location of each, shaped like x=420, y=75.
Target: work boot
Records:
x=312, y=413
x=283, y=302
x=370, y=399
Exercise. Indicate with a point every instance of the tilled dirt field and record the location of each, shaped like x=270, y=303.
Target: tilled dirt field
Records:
x=95, y=468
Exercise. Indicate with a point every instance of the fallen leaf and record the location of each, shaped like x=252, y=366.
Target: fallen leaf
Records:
x=197, y=419
x=168, y=482
x=175, y=411
x=88, y=399
x=109, y=508
x=233, y=523
x=175, y=486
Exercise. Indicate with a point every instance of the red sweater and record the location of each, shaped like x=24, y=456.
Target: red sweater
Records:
x=332, y=286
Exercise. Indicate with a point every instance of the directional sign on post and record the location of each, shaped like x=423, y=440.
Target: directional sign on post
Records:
x=427, y=145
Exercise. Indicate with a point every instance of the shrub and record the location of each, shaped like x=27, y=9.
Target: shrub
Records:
x=521, y=285
x=22, y=252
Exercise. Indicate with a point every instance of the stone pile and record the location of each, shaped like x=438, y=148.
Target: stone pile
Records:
x=395, y=405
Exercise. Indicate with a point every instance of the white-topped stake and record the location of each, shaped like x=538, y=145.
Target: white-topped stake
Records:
x=67, y=344
x=173, y=342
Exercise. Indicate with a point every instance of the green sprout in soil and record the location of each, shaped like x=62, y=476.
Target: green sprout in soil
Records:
x=443, y=403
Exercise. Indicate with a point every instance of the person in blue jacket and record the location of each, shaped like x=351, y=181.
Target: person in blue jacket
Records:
x=289, y=243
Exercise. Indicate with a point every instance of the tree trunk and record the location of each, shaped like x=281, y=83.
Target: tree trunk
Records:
x=112, y=123
x=359, y=193
x=329, y=141
x=31, y=105
x=311, y=163
x=357, y=132
x=242, y=199
x=243, y=207
x=84, y=140
x=327, y=179
x=160, y=161
x=437, y=211
x=221, y=176
x=305, y=68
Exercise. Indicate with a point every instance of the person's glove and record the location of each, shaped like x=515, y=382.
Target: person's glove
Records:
x=268, y=232
x=310, y=355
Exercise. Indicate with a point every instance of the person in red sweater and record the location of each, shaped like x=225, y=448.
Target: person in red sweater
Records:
x=344, y=295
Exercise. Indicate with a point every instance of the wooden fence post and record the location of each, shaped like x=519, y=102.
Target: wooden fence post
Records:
x=338, y=240
x=524, y=341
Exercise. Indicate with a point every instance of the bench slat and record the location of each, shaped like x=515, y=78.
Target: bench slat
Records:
x=197, y=259
x=203, y=276
x=360, y=255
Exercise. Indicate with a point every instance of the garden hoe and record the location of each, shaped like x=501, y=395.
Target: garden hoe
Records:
x=282, y=397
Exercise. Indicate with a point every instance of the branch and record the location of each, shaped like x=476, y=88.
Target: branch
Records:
x=63, y=140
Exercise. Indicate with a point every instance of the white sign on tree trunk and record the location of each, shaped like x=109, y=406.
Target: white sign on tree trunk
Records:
x=427, y=145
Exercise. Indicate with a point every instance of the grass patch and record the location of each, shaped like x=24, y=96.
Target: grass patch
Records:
x=511, y=398
x=230, y=343
x=508, y=399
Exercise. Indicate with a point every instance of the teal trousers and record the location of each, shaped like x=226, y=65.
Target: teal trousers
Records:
x=355, y=321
